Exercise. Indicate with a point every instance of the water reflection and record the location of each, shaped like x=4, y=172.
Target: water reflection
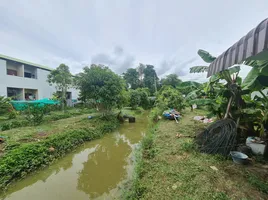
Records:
x=95, y=170
x=109, y=161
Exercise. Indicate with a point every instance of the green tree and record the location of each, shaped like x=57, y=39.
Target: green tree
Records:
x=171, y=79
x=135, y=99
x=132, y=78
x=150, y=79
x=62, y=78
x=169, y=97
x=100, y=84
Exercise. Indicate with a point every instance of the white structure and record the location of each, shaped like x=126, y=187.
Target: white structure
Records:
x=23, y=80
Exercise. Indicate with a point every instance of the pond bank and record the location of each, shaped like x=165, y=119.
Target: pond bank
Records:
x=97, y=169
x=24, y=158
x=171, y=168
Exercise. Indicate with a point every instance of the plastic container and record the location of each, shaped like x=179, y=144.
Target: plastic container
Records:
x=239, y=158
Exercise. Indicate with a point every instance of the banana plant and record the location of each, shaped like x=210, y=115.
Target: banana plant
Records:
x=207, y=57
x=256, y=81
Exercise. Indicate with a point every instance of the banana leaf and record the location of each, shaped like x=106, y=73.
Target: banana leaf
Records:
x=206, y=56
x=257, y=78
x=198, y=69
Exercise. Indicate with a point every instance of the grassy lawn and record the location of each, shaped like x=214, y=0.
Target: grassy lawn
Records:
x=178, y=171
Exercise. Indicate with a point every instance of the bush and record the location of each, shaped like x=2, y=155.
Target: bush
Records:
x=12, y=114
x=139, y=97
x=170, y=97
x=13, y=124
x=135, y=99
x=34, y=113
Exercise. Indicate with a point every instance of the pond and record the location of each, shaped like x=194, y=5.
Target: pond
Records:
x=95, y=170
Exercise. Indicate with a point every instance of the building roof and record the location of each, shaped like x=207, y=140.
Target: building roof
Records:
x=255, y=43
x=24, y=62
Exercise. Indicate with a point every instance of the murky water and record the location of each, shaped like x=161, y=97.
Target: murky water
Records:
x=95, y=170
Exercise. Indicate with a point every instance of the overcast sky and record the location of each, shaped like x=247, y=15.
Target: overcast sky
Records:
x=124, y=33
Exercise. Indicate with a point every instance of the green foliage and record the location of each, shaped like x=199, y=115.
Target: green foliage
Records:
x=156, y=112
x=198, y=69
x=13, y=124
x=62, y=78
x=150, y=79
x=29, y=157
x=144, y=98
x=207, y=57
x=134, y=99
x=16, y=123
x=257, y=77
x=171, y=79
x=5, y=105
x=188, y=86
x=139, y=97
x=12, y=114
x=34, y=114
x=132, y=78
x=170, y=97
x=102, y=85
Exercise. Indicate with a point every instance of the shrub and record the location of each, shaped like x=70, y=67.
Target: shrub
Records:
x=12, y=114
x=170, y=97
x=135, y=99
x=34, y=113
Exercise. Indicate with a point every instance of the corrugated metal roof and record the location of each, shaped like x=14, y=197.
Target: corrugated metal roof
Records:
x=24, y=62
x=255, y=42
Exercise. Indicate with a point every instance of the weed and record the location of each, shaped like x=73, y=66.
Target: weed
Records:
x=258, y=183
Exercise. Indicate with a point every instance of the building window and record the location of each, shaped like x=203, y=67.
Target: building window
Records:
x=29, y=75
x=12, y=72
x=15, y=93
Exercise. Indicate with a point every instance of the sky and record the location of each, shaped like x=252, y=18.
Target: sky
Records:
x=124, y=33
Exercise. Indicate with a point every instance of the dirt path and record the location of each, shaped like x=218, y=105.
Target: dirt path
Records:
x=178, y=171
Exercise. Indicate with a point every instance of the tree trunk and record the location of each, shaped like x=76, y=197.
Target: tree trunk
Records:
x=63, y=99
x=228, y=107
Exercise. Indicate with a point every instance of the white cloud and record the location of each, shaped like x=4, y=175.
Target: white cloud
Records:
x=166, y=34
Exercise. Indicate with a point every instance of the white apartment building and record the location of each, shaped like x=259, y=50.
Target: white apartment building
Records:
x=24, y=80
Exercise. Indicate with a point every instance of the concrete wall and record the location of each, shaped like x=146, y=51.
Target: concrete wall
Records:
x=40, y=84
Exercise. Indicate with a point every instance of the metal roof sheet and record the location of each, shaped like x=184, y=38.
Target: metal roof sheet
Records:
x=24, y=62
x=255, y=42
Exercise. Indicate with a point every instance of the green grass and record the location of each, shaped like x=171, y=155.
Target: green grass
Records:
x=178, y=171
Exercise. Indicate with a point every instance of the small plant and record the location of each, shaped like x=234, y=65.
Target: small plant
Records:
x=12, y=114
x=34, y=114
